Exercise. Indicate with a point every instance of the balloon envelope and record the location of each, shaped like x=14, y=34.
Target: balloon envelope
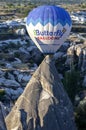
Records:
x=48, y=27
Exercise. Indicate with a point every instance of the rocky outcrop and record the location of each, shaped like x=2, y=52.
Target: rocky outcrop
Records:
x=44, y=104
x=16, y=67
x=2, y=122
x=77, y=54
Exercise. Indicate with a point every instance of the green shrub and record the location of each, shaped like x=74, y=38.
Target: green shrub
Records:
x=80, y=115
x=17, y=54
x=72, y=83
x=2, y=93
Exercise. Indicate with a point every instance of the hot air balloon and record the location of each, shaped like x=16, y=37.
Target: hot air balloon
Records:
x=48, y=26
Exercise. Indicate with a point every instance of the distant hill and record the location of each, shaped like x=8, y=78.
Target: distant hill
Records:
x=46, y=1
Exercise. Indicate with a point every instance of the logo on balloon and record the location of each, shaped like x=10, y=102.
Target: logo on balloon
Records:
x=49, y=35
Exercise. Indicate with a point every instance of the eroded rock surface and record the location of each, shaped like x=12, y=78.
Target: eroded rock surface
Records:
x=44, y=104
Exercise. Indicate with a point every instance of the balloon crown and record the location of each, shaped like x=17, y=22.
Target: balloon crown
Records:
x=49, y=13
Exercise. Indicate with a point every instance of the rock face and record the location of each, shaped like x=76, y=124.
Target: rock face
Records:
x=77, y=54
x=2, y=122
x=44, y=105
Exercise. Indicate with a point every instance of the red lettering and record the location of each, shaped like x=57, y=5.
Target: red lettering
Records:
x=48, y=38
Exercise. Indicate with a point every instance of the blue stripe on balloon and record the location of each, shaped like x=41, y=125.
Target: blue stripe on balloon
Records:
x=63, y=23
x=49, y=14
